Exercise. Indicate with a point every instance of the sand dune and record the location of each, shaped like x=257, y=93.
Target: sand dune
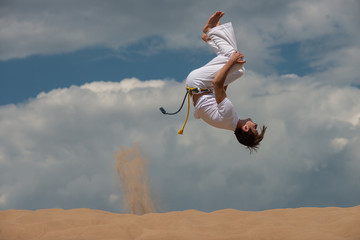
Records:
x=301, y=223
x=287, y=224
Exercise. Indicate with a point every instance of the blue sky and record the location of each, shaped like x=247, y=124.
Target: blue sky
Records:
x=80, y=79
x=43, y=73
x=38, y=73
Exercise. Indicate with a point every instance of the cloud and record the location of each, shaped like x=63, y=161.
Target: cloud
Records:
x=64, y=26
x=58, y=149
x=339, y=143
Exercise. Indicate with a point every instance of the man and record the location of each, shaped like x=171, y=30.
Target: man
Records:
x=212, y=105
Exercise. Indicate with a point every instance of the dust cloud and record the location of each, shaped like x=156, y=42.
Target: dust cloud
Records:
x=132, y=171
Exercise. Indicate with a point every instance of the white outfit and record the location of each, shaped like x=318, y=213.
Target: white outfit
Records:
x=221, y=115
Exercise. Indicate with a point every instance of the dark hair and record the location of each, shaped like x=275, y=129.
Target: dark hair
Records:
x=249, y=139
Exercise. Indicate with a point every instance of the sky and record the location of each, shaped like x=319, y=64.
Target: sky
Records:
x=81, y=78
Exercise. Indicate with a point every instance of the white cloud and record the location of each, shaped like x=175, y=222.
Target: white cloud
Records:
x=355, y=120
x=115, y=198
x=58, y=150
x=125, y=85
x=2, y=200
x=339, y=144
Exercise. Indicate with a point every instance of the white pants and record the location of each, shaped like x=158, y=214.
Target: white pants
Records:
x=223, y=42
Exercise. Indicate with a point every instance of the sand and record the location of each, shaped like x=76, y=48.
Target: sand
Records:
x=132, y=170
x=58, y=224
x=300, y=223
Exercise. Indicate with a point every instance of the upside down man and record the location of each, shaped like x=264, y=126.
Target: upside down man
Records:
x=213, y=106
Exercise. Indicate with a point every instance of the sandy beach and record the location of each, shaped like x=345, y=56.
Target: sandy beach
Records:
x=300, y=223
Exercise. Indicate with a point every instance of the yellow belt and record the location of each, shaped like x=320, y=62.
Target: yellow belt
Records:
x=188, y=92
x=191, y=90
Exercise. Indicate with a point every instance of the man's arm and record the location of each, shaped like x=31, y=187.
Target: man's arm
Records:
x=219, y=80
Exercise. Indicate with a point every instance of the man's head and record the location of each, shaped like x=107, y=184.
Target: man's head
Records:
x=248, y=135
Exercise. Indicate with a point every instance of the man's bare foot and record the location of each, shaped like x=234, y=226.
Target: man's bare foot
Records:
x=213, y=21
x=205, y=37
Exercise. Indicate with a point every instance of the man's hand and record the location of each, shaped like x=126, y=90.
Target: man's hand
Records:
x=237, y=57
x=219, y=80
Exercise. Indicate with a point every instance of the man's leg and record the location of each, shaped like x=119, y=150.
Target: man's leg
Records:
x=222, y=75
x=223, y=41
x=211, y=43
x=224, y=38
x=222, y=35
x=202, y=77
x=213, y=21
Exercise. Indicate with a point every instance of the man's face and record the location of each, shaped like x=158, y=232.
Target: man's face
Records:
x=250, y=126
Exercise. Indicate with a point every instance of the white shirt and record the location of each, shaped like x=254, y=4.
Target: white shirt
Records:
x=220, y=115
